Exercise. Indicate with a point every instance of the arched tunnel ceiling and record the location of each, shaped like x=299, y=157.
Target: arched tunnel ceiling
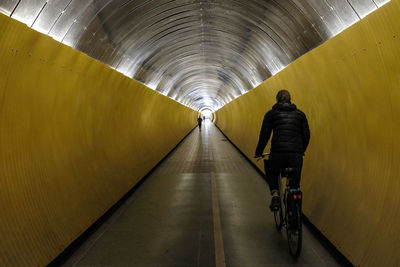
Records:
x=198, y=52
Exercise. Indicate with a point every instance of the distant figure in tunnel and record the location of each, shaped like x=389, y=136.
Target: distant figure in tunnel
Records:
x=290, y=139
x=199, y=121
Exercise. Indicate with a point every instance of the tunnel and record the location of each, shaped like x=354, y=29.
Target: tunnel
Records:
x=102, y=162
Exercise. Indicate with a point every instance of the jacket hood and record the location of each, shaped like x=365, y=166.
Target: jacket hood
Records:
x=284, y=106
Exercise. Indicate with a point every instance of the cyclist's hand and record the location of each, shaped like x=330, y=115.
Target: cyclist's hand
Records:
x=258, y=157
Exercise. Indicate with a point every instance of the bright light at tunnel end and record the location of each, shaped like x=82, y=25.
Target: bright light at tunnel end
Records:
x=207, y=113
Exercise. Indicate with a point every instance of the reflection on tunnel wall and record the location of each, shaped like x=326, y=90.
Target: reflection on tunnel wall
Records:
x=350, y=89
x=75, y=136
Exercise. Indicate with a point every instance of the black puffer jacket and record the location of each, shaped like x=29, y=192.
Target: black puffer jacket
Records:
x=290, y=130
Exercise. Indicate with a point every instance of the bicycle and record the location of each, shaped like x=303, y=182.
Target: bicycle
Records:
x=289, y=213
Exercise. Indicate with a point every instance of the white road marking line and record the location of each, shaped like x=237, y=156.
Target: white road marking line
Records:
x=218, y=241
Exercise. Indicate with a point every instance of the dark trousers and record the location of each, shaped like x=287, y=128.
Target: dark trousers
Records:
x=279, y=161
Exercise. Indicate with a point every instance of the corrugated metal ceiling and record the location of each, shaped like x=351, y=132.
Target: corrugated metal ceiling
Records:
x=202, y=53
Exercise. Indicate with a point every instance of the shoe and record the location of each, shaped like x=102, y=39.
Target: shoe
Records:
x=275, y=203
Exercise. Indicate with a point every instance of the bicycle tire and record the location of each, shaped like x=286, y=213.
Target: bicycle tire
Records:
x=295, y=233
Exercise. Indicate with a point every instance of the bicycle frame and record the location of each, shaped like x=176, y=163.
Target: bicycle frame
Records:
x=293, y=224
x=290, y=198
x=291, y=203
x=283, y=194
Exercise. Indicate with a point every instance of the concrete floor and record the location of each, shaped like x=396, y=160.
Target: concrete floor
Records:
x=205, y=205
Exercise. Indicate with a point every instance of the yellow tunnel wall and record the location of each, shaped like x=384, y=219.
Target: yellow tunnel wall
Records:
x=349, y=88
x=75, y=136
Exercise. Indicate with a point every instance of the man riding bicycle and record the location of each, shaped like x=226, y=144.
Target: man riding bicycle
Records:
x=290, y=139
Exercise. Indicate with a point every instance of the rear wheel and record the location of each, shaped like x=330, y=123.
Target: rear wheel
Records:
x=294, y=231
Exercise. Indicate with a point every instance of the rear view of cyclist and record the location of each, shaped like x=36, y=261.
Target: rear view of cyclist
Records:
x=290, y=139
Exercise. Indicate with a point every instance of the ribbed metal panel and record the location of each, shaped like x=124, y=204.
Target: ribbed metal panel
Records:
x=75, y=136
x=198, y=52
x=349, y=89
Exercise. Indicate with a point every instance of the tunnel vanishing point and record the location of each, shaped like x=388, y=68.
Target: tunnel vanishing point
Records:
x=94, y=94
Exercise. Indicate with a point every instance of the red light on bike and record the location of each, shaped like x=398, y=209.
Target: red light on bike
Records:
x=299, y=196
x=294, y=196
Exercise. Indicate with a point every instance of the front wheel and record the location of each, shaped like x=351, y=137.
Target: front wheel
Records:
x=294, y=231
